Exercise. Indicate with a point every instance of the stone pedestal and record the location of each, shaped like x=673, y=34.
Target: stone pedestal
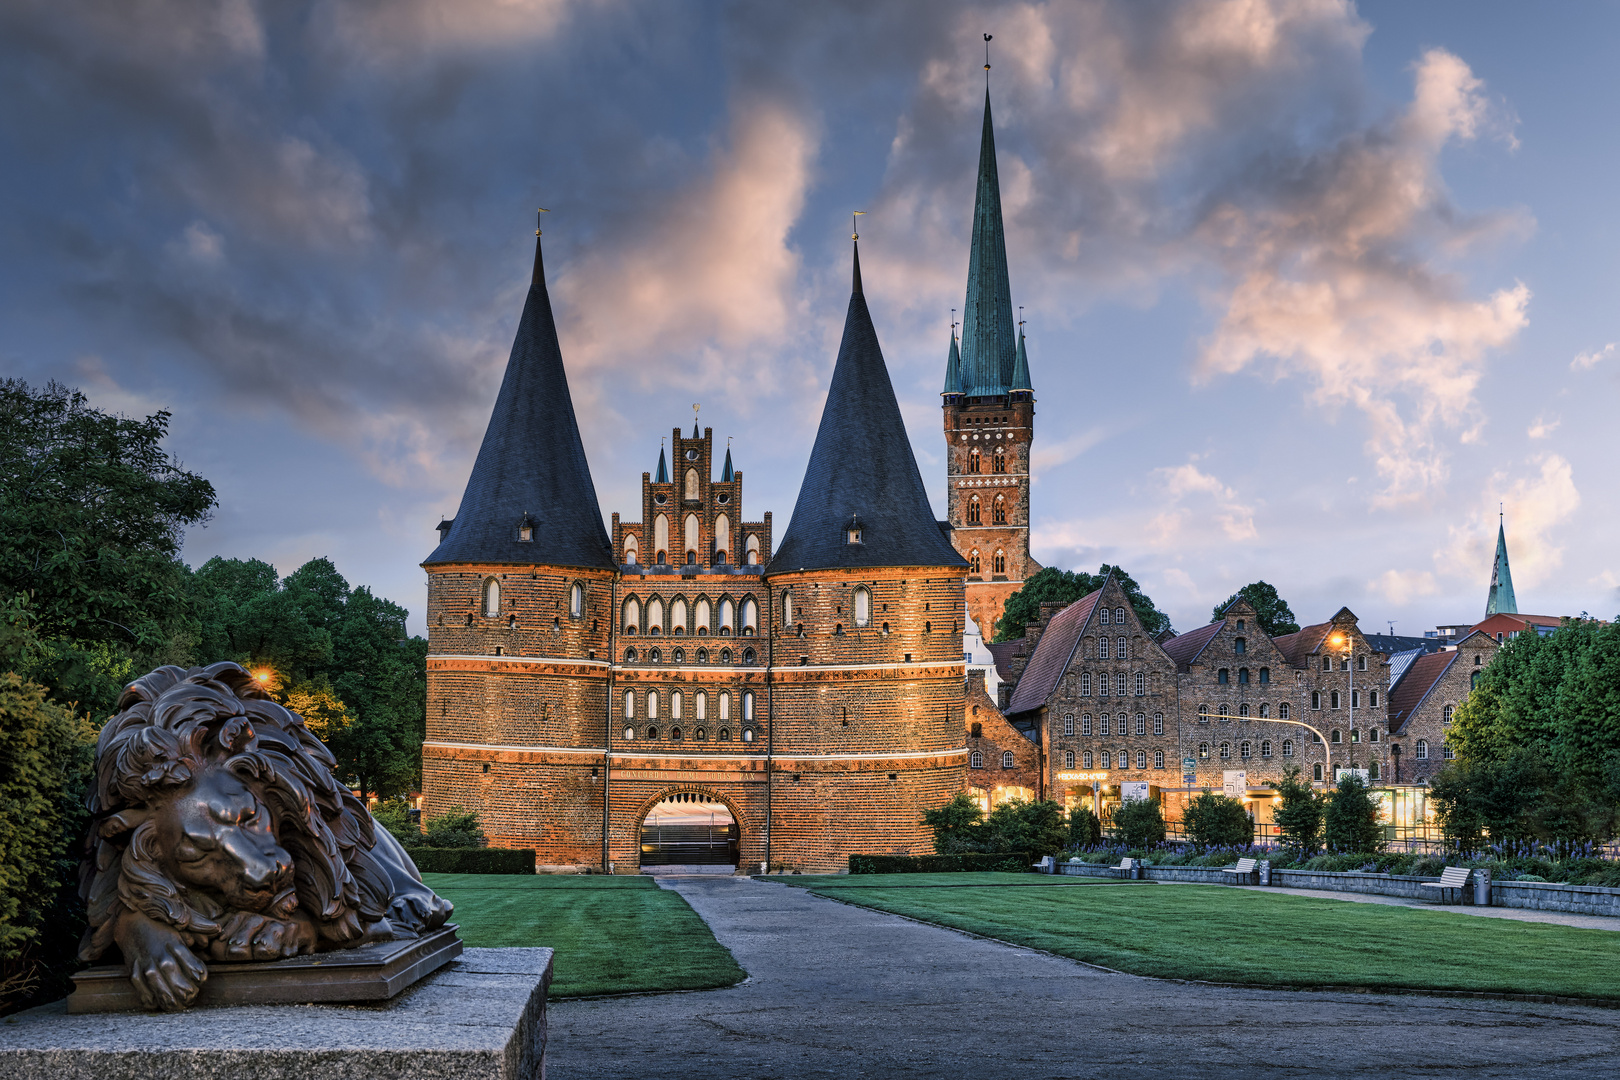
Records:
x=480, y=1017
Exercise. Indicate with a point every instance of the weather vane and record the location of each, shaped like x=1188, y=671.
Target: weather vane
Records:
x=1020, y=317
x=537, y=213
x=987, y=61
x=953, y=322
x=854, y=232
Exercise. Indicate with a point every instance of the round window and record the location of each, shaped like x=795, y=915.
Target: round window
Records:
x=691, y=455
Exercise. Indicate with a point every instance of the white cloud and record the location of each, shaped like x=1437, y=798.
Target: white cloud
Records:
x=1543, y=427
x=1535, y=507
x=1211, y=501
x=1065, y=451
x=1401, y=586
x=1586, y=361
x=200, y=243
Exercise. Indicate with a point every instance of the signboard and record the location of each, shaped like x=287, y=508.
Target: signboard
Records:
x=1133, y=791
x=1189, y=771
x=1234, y=783
x=1340, y=774
x=1082, y=776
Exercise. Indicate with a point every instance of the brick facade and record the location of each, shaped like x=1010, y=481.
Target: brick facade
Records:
x=1417, y=734
x=987, y=467
x=992, y=776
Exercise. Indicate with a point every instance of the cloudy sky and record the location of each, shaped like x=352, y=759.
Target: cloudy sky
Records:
x=1311, y=287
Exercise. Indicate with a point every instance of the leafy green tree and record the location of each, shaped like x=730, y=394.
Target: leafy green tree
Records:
x=1039, y=828
x=1270, y=610
x=1067, y=586
x=92, y=513
x=1084, y=828
x=1351, y=819
x=1139, y=823
x=956, y=825
x=395, y=816
x=454, y=828
x=1213, y=820
x=1298, y=813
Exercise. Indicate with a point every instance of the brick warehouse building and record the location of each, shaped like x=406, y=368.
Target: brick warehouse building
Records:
x=683, y=687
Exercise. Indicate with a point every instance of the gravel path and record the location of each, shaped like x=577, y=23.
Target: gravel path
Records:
x=836, y=990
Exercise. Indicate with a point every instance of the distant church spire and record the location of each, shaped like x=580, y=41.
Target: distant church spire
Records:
x=953, y=367
x=663, y=472
x=1501, y=600
x=989, y=347
x=727, y=474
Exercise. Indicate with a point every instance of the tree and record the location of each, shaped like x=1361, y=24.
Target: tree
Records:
x=1139, y=823
x=1067, y=586
x=1084, y=828
x=956, y=825
x=92, y=512
x=1270, y=610
x=1299, y=812
x=1351, y=819
x=454, y=828
x=1216, y=821
x=1036, y=827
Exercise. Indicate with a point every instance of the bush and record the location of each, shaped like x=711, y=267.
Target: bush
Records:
x=956, y=825
x=395, y=816
x=473, y=860
x=1140, y=823
x=456, y=828
x=1005, y=861
x=1351, y=820
x=1298, y=813
x=46, y=756
x=1215, y=821
x=1084, y=828
x=960, y=826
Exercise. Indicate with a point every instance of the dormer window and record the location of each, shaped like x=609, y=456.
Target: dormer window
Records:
x=852, y=531
x=526, y=530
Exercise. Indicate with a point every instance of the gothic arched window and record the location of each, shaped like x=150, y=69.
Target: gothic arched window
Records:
x=691, y=484
x=576, y=600
x=973, y=563
x=999, y=463
x=863, y=607
x=973, y=510
x=630, y=549
x=722, y=539
x=1000, y=563
x=632, y=615
x=661, y=535
x=492, y=597
x=973, y=460
x=1000, y=510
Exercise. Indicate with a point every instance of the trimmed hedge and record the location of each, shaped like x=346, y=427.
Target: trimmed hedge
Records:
x=473, y=860
x=1005, y=861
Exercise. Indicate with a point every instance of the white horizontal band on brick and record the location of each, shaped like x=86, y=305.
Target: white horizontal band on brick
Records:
x=795, y=665
x=596, y=753
x=517, y=659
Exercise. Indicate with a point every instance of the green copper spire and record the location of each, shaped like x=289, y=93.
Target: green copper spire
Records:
x=663, y=472
x=988, y=345
x=953, y=368
x=1020, y=379
x=1501, y=600
x=726, y=474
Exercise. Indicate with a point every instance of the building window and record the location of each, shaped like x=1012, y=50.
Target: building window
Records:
x=999, y=510
x=1265, y=676
x=1119, y=684
x=725, y=735
x=973, y=460
x=1476, y=659
x=1355, y=699
x=1158, y=723
x=1334, y=698
x=1105, y=725
x=1141, y=759
x=492, y=597
x=629, y=704
x=1226, y=751
x=1372, y=734
x=1288, y=748
x=748, y=706
x=1361, y=663
x=1085, y=684
x=1225, y=713
x=750, y=616
x=976, y=761
x=1119, y=616
x=1102, y=616
x=691, y=491
x=1107, y=760
x=722, y=540
x=1007, y=759
x=1316, y=771
x=1316, y=699
x=675, y=702
x=1473, y=681
x=748, y=735
x=632, y=615
x=999, y=564
x=863, y=607
x=1265, y=748
x=1123, y=720
x=787, y=607
x=1203, y=751
x=1445, y=715
x=1158, y=759
x=1141, y=723
x=699, y=735
x=629, y=734
x=1000, y=460
x=973, y=514
x=576, y=600
x=749, y=656
x=630, y=549
x=1282, y=711
x=1265, y=710
x=1221, y=677
x=1068, y=759
x=1085, y=724
x=654, y=655
x=1446, y=751
x=1421, y=750
x=1244, y=750
x=1085, y=760
x=1068, y=725
x=1335, y=736
x=726, y=612
x=1203, y=714
x=655, y=616
x=1372, y=699
x=652, y=733
x=1102, y=648
x=1243, y=676
x=1239, y=646
x=1141, y=684
x=674, y=734
x=751, y=549
x=1327, y=665
x=630, y=655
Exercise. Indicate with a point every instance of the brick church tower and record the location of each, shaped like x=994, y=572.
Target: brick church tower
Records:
x=519, y=614
x=989, y=405
x=866, y=634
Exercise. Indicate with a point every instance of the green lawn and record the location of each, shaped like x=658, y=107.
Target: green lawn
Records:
x=1227, y=934
x=974, y=880
x=613, y=935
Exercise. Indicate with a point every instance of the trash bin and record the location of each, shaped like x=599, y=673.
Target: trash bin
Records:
x=1482, y=888
x=1265, y=871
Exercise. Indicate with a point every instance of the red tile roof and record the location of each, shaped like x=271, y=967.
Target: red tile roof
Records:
x=1420, y=677
x=1003, y=652
x=1052, y=654
x=1303, y=642
x=1512, y=624
x=1184, y=648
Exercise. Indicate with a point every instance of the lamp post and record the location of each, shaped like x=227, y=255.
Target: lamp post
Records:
x=1327, y=748
x=1349, y=643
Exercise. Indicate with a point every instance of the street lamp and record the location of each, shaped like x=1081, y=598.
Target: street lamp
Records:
x=1327, y=747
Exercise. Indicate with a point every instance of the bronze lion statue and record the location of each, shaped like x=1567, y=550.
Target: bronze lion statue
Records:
x=218, y=832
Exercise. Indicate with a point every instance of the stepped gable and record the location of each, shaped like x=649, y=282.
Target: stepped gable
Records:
x=1052, y=653
x=532, y=462
x=988, y=345
x=1420, y=677
x=1185, y=648
x=862, y=472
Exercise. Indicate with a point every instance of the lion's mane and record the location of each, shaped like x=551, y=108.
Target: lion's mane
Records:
x=172, y=725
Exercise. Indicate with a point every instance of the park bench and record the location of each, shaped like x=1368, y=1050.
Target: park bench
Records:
x=1246, y=869
x=1453, y=877
x=1128, y=868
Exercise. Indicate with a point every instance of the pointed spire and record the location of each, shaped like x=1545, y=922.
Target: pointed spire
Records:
x=532, y=463
x=1500, y=600
x=1020, y=379
x=862, y=471
x=953, y=367
x=726, y=474
x=663, y=471
x=988, y=347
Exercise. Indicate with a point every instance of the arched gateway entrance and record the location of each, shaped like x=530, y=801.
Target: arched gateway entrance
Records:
x=689, y=828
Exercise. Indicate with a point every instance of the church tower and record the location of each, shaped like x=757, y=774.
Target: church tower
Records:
x=989, y=405
x=1500, y=600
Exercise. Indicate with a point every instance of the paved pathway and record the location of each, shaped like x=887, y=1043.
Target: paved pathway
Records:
x=836, y=990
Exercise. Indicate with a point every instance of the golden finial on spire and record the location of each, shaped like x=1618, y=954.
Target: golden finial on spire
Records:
x=538, y=211
x=987, y=61
x=854, y=231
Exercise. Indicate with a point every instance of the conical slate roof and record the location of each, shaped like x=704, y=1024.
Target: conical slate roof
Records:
x=953, y=368
x=531, y=462
x=1020, y=379
x=988, y=344
x=726, y=474
x=862, y=470
x=663, y=471
x=1500, y=600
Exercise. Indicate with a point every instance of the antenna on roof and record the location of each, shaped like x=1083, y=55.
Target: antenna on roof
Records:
x=987, y=63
